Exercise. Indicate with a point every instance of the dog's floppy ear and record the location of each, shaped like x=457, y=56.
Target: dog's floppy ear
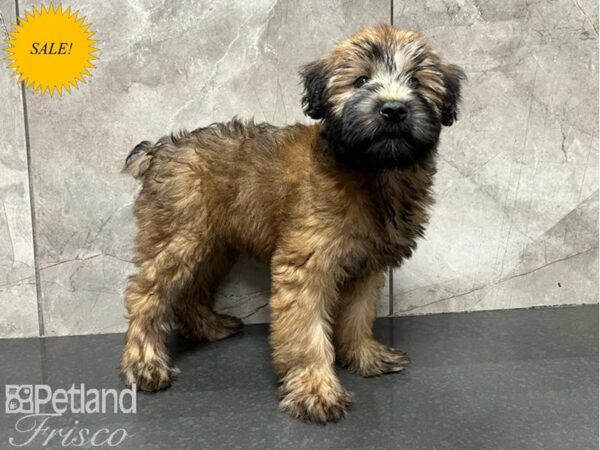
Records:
x=453, y=78
x=315, y=77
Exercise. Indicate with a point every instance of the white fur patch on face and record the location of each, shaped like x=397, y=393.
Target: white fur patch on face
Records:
x=395, y=90
x=394, y=84
x=401, y=59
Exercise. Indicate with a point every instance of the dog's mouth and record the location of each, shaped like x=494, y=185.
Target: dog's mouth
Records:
x=399, y=146
x=384, y=151
x=399, y=137
x=411, y=135
x=399, y=134
x=367, y=142
x=362, y=137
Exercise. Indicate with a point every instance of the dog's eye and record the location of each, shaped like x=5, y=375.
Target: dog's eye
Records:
x=361, y=81
x=413, y=82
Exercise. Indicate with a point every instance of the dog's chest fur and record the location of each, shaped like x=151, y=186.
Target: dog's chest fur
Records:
x=377, y=217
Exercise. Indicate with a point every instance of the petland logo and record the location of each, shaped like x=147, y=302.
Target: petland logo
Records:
x=40, y=404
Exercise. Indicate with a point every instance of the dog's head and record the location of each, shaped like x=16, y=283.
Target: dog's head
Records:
x=383, y=95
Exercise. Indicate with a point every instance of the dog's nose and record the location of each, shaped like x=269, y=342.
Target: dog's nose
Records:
x=394, y=111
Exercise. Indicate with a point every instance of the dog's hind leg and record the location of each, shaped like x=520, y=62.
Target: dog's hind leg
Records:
x=194, y=313
x=165, y=271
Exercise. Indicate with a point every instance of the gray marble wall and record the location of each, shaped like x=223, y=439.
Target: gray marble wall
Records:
x=516, y=220
x=517, y=189
x=18, y=298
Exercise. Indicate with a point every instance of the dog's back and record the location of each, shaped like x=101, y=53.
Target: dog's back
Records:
x=214, y=137
x=235, y=177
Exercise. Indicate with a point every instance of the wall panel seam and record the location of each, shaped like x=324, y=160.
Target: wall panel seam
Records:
x=391, y=269
x=38, y=286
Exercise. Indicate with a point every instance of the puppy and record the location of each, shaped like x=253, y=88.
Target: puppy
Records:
x=329, y=206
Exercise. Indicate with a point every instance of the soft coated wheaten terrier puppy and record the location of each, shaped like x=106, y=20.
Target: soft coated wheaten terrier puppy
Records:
x=329, y=206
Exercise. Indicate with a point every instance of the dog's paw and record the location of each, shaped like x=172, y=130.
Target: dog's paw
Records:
x=316, y=407
x=312, y=398
x=211, y=329
x=373, y=358
x=149, y=376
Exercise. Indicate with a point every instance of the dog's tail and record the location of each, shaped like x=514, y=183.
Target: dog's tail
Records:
x=139, y=158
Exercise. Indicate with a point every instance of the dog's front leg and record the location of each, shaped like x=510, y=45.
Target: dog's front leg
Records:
x=302, y=304
x=355, y=345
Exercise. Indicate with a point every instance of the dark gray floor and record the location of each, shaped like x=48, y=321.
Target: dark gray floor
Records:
x=523, y=379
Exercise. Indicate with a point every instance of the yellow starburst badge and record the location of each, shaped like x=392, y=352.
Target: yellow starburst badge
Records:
x=51, y=49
